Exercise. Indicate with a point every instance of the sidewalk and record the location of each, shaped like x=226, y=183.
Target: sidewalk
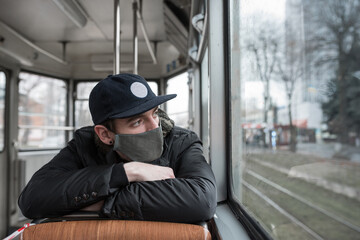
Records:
x=330, y=150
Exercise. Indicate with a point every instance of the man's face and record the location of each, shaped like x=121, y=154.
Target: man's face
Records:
x=138, y=124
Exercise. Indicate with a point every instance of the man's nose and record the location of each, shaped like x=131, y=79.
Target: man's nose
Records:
x=152, y=123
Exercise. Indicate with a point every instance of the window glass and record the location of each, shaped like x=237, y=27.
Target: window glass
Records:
x=42, y=112
x=154, y=87
x=178, y=108
x=82, y=112
x=299, y=173
x=204, y=104
x=2, y=108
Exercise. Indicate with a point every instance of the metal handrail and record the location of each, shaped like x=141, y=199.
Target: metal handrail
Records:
x=66, y=128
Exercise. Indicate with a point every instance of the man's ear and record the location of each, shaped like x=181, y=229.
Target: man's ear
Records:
x=104, y=134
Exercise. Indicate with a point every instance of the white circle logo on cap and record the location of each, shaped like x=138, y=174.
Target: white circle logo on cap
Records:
x=139, y=90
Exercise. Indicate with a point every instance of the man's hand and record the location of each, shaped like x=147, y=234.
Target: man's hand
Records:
x=139, y=172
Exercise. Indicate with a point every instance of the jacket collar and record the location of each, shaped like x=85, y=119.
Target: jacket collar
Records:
x=167, y=124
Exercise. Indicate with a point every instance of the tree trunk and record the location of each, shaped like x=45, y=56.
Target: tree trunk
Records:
x=266, y=110
x=292, y=144
x=341, y=123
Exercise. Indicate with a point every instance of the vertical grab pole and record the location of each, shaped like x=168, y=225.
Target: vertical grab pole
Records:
x=117, y=33
x=135, y=39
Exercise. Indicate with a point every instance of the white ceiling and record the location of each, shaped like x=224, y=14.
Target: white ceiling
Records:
x=44, y=24
x=43, y=21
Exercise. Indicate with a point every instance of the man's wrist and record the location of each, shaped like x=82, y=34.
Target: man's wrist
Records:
x=132, y=171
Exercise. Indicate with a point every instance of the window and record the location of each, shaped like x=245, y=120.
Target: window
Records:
x=154, y=87
x=42, y=112
x=297, y=171
x=178, y=108
x=2, y=108
x=204, y=104
x=82, y=112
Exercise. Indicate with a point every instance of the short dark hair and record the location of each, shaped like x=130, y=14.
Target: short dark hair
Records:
x=109, y=124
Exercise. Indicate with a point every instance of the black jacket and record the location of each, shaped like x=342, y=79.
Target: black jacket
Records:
x=81, y=175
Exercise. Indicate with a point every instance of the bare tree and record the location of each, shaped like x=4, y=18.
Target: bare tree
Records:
x=264, y=47
x=26, y=103
x=289, y=66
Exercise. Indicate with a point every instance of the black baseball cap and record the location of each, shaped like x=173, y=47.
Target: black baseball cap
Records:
x=122, y=96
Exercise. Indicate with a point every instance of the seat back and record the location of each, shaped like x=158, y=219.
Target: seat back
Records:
x=115, y=229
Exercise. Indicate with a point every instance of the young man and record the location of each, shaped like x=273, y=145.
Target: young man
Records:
x=133, y=164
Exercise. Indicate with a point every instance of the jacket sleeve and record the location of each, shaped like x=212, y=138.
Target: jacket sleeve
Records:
x=189, y=198
x=65, y=185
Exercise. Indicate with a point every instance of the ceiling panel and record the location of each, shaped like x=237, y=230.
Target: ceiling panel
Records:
x=44, y=24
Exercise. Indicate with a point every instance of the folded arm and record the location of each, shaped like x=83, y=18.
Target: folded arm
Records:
x=190, y=197
x=64, y=185
x=138, y=172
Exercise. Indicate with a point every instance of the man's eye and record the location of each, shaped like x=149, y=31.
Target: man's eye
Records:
x=156, y=114
x=137, y=123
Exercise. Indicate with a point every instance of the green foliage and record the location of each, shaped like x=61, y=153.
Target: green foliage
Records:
x=352, y=100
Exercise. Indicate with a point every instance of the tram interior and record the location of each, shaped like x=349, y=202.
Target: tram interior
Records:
x=80, y=42
x=271, y=88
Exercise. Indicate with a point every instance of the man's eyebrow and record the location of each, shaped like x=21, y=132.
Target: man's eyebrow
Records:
x=139, y=116
x=134, y=117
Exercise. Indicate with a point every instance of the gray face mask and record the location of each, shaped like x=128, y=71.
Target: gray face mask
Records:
x=141, y=147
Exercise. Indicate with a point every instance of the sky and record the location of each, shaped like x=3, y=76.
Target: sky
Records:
x=267, y=9
x=275, y=8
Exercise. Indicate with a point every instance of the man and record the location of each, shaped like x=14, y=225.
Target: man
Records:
x=132, y=164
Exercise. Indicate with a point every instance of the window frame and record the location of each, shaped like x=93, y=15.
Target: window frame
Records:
x=66, y=129
x=75, y=98
x=5, y=120
x=232, y=62
x=166, y=87
x=163, y=89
